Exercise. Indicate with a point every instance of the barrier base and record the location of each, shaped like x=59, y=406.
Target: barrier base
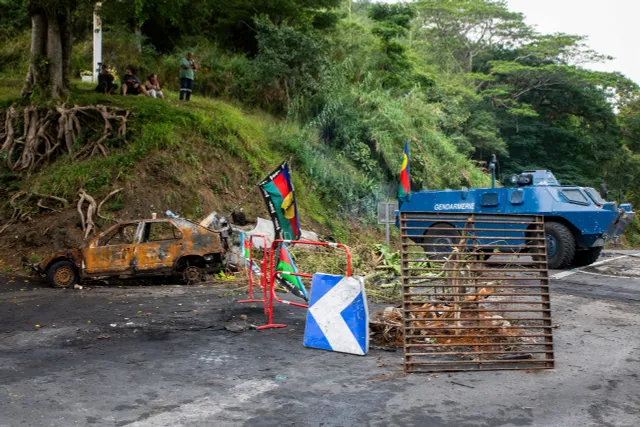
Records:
x=244, y=301
x=271, y=326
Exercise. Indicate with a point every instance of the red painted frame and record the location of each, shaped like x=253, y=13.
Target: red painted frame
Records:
x=272, y=277
x=263, y=280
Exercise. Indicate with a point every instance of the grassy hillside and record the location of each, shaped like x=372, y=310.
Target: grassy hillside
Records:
x=206, y=155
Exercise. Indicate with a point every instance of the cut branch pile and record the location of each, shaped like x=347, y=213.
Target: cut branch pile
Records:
x=48, y=134
x=387, y=326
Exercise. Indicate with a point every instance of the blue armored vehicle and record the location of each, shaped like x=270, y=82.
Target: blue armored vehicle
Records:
x=578, y=221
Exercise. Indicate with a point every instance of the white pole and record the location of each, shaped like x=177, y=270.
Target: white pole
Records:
x=387, y=221
x=97, y=41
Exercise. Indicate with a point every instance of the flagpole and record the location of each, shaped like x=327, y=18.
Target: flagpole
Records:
x=288, y=161
x=246, y=196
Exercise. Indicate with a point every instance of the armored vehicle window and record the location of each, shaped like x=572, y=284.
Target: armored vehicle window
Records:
x=516, y=197
x=123, y=235
x=595, y=196
x=575, y=196
x=551, y=180
x=157, y=231
x=490, y=199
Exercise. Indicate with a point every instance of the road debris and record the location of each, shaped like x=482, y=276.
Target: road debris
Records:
x=238, y=326
x=462, y=385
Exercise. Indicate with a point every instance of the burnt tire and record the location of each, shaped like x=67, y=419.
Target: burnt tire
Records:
x=62, y=274
x=586, y=257
x=561, y=246
x=193, y=275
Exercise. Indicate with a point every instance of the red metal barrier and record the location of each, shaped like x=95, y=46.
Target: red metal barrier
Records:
x=272, y=278
x=263, y=279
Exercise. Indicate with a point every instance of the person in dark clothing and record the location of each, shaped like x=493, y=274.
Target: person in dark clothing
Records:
x=105, y=81
x=131, y=83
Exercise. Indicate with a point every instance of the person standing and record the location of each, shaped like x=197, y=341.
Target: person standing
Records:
x=187, y=71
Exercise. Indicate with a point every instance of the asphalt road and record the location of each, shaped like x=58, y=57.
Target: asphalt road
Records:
x=161, y=356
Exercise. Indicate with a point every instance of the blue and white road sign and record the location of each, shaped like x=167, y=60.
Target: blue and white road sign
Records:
x=338, y=317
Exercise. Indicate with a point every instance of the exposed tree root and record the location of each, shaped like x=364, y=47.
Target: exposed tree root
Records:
x=21, y=203
x=4, y=227
x=50, y=133
x=8, y=134
x=23, y=207
x=113, y=193
x=87, y=220
x=65, y=202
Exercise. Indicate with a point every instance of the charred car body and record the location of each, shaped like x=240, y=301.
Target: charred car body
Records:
x=141, y=248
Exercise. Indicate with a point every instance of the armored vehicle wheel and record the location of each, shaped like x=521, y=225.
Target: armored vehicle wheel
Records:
x=62, y=274
x=586, y=257
x=561, y=246
x=434, y=237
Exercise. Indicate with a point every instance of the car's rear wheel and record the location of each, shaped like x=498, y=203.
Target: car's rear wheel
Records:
x=62, y=274
x=193, y=274
x=561, y=246
x=586, y=257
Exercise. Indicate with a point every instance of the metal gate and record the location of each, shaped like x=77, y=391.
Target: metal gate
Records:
x=475, y=292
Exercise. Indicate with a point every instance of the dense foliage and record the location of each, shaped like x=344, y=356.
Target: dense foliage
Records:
x=461, y=79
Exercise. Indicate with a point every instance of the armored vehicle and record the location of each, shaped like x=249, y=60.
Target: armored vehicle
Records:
x=578, y=221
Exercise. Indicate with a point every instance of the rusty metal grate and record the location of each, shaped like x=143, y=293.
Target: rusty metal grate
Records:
x=475, y=292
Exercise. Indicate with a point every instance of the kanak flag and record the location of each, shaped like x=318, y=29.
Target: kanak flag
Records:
x=292, y=283
x=405, y=179
x=277, y=190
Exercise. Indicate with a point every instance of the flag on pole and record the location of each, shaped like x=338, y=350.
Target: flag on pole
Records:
x=246, y=246
x=405, y=180
x=292, y=283
x=277, y=190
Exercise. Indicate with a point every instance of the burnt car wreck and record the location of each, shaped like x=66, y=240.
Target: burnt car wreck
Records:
x=142, y=248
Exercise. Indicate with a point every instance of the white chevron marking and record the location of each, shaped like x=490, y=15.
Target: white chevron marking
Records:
x=326, y=311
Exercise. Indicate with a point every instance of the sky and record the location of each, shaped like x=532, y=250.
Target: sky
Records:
x=612, y=27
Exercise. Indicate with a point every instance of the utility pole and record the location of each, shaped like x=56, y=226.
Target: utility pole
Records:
x=97, y=41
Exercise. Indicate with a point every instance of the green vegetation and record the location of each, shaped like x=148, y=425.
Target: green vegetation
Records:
x=338, y=86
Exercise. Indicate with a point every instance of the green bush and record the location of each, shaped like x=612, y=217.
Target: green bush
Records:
x=14, y=54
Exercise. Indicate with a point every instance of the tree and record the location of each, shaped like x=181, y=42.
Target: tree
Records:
x=15, y=17
x=232, y=22
x=463, y=29
x=50, y=62
x=544, y=62
x=290, y=64
x=630, y=121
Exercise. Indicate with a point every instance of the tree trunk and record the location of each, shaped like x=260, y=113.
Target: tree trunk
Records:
x=54, y=55
x=50, y=63
x=138, y=32
x=38, y=50
x=65, y=33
